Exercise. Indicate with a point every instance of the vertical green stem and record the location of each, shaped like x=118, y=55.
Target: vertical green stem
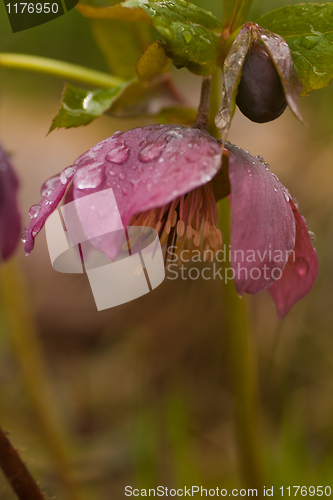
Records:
x=30, y=358
x=240, y=360
x=242, y=374
x=215, y=97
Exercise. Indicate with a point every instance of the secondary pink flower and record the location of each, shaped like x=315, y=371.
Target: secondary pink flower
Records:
x=169, y=177
x=10, y=218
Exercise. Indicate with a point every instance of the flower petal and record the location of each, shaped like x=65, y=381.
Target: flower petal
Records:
x=300, y=272
x=146, y=168
x=10, y=218
x=232, y=69
x=262, y=222
x=53, y=191
x=283, y=61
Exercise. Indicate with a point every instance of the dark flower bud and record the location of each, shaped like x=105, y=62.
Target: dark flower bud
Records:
x=259, y=76
x=260, y=94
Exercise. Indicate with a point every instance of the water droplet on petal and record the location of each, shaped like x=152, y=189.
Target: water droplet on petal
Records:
x=119, y=154
x=34, y=211
x=286, y=195
x=122, y=176
x=47, y=193
x=124, y=190
x=67, y=173
x=112, y=173
x=135, y=183
x=24, y=237
x=152, y=151
x=49, y=185
x=260, y=158
x=275, y=189
x=312, y=236
x=90, y=177
x=175, y=134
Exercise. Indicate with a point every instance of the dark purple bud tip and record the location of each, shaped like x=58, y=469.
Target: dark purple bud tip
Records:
x=260, y=94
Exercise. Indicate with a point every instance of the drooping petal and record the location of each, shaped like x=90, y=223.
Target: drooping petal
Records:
x=10, y=218
x=232, y=68
x=300, y=272
x=262, y=222
x=146, y=168
x=283, y=61
x=52, y=191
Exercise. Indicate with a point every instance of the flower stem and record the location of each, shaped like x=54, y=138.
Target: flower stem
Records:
x=214, y=104
x=25, y=341
x=203, y=110
x=242, y=374
x=60, y=69
x=16, y=472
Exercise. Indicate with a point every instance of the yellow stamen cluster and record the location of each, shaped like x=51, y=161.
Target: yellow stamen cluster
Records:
x=188, y=222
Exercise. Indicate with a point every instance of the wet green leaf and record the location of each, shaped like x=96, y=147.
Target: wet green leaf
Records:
x=234, y=13
x=191, y=33
x=308, y=30
x=80, y=106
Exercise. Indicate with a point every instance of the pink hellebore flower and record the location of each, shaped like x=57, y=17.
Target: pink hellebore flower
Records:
x=10, y=218
x=170, y=177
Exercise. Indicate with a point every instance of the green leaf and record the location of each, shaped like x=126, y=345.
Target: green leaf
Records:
x=234, y=13
x=127, y=11
x=152, y=62
x=308, y=30
x=145, y=99
x=191, y=34
x=121, y=43
x=80, y=106
x=182, y=116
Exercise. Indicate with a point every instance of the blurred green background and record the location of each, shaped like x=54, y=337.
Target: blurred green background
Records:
x=142, y=393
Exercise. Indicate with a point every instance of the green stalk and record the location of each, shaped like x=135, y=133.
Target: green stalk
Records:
x=59, y=68
x=242, y=374
x=29, y=355
x=241, y=367
x=215, y=97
